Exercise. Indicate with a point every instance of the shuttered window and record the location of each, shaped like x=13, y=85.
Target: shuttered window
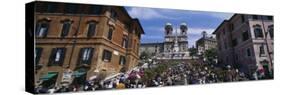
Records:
x=122, y=60
x=65, y=28
x=57, y=56
x=42, y=29
x=38, y=52
x=106, y=56
x=85, y=55
x=91, y=29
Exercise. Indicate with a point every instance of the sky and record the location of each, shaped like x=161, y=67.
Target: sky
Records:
x=154, y=19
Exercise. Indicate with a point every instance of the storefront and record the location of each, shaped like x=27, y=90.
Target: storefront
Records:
x=67, y=77
x=49, y=80
x=79, y=77
x=265, y=69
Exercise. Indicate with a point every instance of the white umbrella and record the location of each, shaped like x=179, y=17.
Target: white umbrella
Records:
x=93, y=77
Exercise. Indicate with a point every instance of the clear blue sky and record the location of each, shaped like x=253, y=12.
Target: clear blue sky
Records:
x=154, y=19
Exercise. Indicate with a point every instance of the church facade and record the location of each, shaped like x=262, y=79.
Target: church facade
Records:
x=174, y=46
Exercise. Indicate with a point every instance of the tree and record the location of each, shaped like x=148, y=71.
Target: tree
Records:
x=144, y=55
x=148, y=74
x=210, y=55
x=192, y=52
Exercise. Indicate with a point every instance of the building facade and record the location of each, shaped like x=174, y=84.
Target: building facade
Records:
x=205, y=43
x=151, y=48
x=246, y=42
x=78, y=42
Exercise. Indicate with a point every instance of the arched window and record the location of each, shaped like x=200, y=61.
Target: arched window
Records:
x=270, y=30
x=258, y=31
x=167, y=32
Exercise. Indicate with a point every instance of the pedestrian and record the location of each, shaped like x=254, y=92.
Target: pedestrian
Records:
x=120, y=85
x=52, y=90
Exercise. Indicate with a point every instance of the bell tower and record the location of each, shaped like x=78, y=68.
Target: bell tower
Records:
x=182, y=38
x=168, y=29
x=169, y=38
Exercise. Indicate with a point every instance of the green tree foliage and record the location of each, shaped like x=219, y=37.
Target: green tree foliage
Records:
x=210, y=54
x=192, y=52
x=159, y=69
x=144, y=55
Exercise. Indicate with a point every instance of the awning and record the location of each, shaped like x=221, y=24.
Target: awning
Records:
x=48, y=76
x=79, y=73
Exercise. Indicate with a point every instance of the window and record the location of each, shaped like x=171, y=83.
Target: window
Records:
x=236, y=57
x=234, y=42
x=113, y=14
x=42, y=29
x=137, y=48
x=248, y=52
x=223, y=31
x=269, y=17
x=167, y=32
x=255, y=17
x=258, y=31
x=122, y=60
x=242, y=18
x=57, y=56
x=110, y=32
x=125, y=41
x=127, y=26
x=85, y=55
x=40, y=7
x=38, y=52
x=218, y=37
x=136, y=33
x=71, y=8
x=106, y=56
x=225, y=45
x=52, y=7
x=270, y=30
x=65, y=28
x=245, y=35
x=262, y=50
x=219, y=47
x=91, y=29
x=95, y=9
x=46, y=7
x=231, y=27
